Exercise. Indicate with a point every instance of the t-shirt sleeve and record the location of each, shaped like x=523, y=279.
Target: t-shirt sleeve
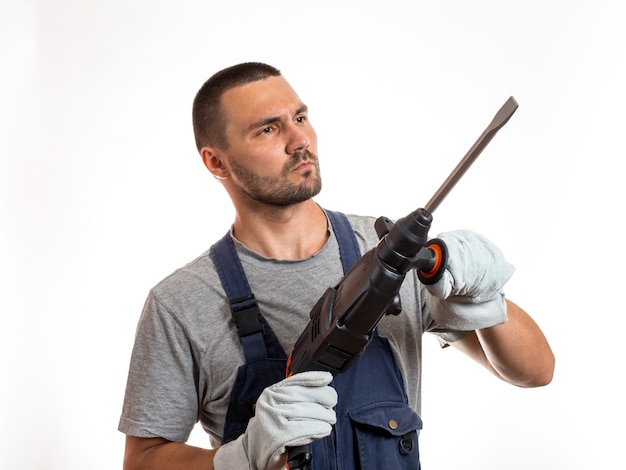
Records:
x=161, y=397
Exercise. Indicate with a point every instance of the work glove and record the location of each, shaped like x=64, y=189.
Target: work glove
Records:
x=293, y=412
x=469, y=295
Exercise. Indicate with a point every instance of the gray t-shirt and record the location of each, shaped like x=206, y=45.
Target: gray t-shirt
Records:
x=187, y=351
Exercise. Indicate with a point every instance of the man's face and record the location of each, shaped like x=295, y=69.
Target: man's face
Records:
x=272, y=146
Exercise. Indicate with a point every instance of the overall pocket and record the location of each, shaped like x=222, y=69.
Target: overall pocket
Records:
x=386, y=436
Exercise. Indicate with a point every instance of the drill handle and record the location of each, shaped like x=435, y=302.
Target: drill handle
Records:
x=299, y=458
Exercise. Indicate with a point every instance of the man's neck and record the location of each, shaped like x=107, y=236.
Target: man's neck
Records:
x=288, y=233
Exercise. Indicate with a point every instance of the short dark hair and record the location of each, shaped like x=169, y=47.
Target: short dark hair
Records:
x=209, y=121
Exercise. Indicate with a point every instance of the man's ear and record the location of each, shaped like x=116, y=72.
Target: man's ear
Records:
x=213, y=160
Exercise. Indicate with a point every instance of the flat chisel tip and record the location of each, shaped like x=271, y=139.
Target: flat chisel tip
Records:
x=503, y=114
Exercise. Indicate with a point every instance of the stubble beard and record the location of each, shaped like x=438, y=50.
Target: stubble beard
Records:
x=280, y=191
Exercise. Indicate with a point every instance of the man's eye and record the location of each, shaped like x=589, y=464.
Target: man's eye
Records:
x=300, y=119
x=266, y=130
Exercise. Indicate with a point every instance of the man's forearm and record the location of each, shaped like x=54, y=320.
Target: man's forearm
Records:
x=161, y=454
x=516, y=351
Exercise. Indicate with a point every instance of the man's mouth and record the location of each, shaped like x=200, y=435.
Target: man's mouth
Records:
x=305, y=165
x=303, y=160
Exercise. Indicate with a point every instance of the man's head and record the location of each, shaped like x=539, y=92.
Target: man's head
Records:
x=209, y=119
x=253, y=134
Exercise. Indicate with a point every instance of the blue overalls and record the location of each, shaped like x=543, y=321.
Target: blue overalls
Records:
x=375, y=429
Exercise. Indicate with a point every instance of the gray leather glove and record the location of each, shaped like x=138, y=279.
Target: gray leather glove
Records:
x=295, y=411
x=469, y=295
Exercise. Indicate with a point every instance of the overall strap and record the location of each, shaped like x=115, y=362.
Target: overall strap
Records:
x=243, y=306
x=348, y=246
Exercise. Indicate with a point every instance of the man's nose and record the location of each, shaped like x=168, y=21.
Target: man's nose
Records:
x=298, y=140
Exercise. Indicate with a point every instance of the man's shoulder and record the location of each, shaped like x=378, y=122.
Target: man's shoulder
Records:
x=363, y=227
x=198, y=273
x=362, y=222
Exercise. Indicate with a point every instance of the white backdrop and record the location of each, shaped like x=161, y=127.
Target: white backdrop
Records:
x=103, y=194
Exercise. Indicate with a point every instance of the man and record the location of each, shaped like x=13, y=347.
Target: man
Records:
x=196, y=358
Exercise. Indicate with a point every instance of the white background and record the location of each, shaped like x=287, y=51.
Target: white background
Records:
x=103, y=194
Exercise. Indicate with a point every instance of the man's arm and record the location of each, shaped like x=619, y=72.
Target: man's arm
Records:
x=516, y=351
x=293, y=412
x=160, y=454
